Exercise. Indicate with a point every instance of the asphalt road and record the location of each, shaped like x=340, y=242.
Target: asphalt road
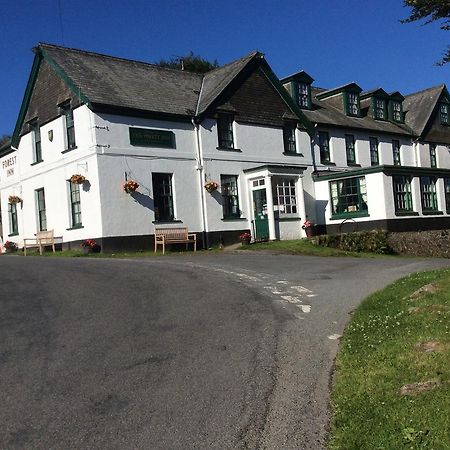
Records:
x=218, y=351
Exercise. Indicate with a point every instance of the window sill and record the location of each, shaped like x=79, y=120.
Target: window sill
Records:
x=76, y=227
x=329, y=163
x=226, y=149
x=233, y=219
x=406, y=213
x=37, y=162
x=350, y=215
x=161, y=222
x=432, y=213
x=353, y=165
x=288, y=219
x=292, y=154
x=13, y=234
x=67, y=150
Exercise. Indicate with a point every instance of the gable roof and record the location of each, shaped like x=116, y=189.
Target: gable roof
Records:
x=419, y=107
x=105, y=82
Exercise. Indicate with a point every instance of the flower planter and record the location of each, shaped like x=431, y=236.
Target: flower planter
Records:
x=309, y=232
x=245, y=241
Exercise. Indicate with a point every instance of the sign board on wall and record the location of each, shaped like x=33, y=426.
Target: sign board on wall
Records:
x=143, y=137
x=8, y=165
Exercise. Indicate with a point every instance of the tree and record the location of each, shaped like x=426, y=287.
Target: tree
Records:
x=4, y=139
x=190, y=62
x=431, y=10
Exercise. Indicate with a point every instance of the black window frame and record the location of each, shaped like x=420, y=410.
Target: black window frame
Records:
x=396, y=152
x=350, y=148
x=37, y=142
x=402, y=192
x=352, y=108
x=350, y=193
x=397, y=113
x=69, y=125
x=443, y=113
x=374, y=151
x=225, y=132
x=41, y=210
x=289, y=139
x=380, y=113
x=447, y=194
x=230, y=196
x=324, y=147
x=75, y=205
x=13, y=219
x=433, y=157
x=163, y=197
x=304, y=98
x=428, y=195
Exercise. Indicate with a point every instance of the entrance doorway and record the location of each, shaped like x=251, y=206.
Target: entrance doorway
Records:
x=261, y=222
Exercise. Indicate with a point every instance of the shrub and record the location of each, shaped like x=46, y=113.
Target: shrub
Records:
x=363, y=241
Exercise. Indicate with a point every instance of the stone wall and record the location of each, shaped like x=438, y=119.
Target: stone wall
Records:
x=434, y=243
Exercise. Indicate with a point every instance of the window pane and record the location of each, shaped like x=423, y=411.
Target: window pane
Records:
x=428, y=193
x=162, y=196
x=324, y=147
x=286, y=198
x=350, y=148
x=289, y=139
x=402, y=193
x=225, y=131
x=349, y=196
x=75, y=204
x=41, y=212
x=374, y=159
x=396, y=152
x=433, y=155
x=230, y=196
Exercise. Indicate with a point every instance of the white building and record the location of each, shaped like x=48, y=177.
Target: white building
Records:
x=346, y=159
x=112, y=120
x=380, y=160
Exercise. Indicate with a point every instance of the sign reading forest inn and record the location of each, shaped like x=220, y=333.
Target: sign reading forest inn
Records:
x=144, y=137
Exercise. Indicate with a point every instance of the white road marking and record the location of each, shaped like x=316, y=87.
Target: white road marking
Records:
x=335, y=336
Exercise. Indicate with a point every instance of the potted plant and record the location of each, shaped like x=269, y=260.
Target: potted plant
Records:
x=211, y=186
x=90, y=246
x=14, y=199
x=308, y=226
x=10, y=247
x=130, y=186
x=245, y=238
x=77, y=179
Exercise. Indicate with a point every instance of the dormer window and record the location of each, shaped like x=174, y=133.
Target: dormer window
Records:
x=304, y=95
x=380, y=109
x=443, y=110
x=299, y=87
x=352, y=104
x=397, y=115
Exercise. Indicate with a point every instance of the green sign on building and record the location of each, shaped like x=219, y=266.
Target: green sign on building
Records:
x=144, y=137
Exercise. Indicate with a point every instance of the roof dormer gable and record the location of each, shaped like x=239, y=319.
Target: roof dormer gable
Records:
x=396, y=107
x=299, y=87
x=377, y=102
x=346, y=98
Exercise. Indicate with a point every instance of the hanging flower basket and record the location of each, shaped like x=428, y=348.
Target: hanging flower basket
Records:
x=14, y=199
x=211, y=186
x=77, y=179
x=130, y=186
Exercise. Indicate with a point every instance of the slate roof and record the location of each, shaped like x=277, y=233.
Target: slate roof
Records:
x=419, y=106
x=324, y=113
x=111, y=81
x=107, y=80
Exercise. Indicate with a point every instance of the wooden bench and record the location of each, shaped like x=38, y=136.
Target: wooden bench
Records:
x=164, y=236
x=41, y=239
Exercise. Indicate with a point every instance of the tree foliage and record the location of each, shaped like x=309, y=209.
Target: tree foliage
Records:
x=190, y=62
x=4, y=139
x=430, y=11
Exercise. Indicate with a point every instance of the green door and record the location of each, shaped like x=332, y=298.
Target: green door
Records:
x=261, y=221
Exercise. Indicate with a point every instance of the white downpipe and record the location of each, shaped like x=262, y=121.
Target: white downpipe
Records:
x=201, y=177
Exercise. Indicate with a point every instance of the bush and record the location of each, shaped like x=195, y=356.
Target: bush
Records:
x=364, y=241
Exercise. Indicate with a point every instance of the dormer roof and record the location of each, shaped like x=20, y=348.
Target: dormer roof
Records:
x=349, y=87
x=298, y=76
x=377, y=92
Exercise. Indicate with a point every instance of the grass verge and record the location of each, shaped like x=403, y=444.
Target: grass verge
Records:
x=306, y=247
x=395, y=340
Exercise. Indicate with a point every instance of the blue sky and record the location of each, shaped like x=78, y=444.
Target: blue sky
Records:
x=334, y=41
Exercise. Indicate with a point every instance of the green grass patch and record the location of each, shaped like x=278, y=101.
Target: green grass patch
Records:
x=381, y=351
x=305, y=247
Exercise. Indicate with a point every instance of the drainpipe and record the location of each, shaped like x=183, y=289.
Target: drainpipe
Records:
x=200, y=170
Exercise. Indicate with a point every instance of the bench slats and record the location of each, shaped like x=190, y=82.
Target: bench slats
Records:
x=165, y=236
